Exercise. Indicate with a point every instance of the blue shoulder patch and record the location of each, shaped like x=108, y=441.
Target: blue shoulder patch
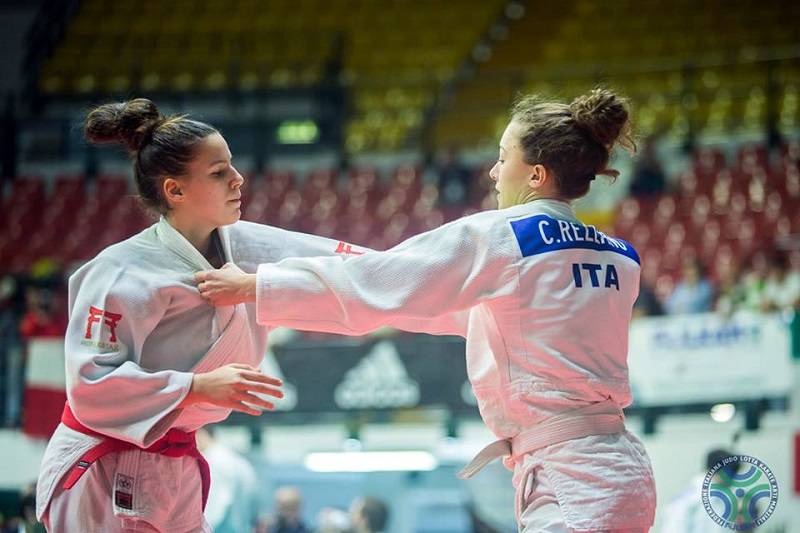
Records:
x=541, y=234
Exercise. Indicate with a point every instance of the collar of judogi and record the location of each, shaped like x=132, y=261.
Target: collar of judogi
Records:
x=560, y=209
x=178, y=244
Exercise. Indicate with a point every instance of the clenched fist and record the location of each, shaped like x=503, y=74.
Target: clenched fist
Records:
x=229, y=285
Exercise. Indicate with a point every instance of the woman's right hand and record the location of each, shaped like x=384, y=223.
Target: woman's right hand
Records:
x=233, y=387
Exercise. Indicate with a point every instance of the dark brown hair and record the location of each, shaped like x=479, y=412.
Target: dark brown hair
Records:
x=574, y=141
x=375, y=513
x=159, y=145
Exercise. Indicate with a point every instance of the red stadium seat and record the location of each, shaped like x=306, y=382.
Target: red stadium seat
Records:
x=277, y=183
x=700, y=213
x=651, y=264
x=325, y=209
x=688, y=184
x=328, y=227
x=318, y=181
x=257, y=209
x=628, y=212
x=751, y=157
x=395, y=200
x=408, y=177
x=292, y=210
x=68, y=189
x=110, y=188
x=708, y=162
x=722, y=185
x=640, y=235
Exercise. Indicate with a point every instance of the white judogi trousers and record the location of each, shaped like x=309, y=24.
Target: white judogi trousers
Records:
x=547, y=485
x=175, y=501
x=542, y=513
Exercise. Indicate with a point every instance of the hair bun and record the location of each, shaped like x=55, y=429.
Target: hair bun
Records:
x=129, y=123
x=604, y=116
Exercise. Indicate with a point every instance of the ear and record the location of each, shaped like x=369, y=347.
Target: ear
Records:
x=172, y=190
x=539, y=176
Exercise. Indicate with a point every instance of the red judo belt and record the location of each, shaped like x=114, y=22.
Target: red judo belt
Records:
x=175, y=443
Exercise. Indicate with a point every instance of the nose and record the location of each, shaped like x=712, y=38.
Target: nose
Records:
x=493, y=173
x=238, y=180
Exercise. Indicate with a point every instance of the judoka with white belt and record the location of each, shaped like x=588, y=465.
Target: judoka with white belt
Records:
x=543, y=300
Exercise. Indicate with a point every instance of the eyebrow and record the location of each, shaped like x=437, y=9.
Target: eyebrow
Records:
x=219, y=161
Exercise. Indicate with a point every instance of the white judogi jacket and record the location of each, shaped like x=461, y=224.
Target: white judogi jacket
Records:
x=544, y=302
x=139, y=329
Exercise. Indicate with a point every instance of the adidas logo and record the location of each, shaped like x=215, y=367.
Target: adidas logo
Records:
x=269, y=366
x=379, y=380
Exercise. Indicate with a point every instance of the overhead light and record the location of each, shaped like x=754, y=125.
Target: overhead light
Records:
x=723, y=412
x=399, y=461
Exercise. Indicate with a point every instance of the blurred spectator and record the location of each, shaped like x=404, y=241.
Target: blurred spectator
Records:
x=8, y=311
x=39, y=319
x=693, y=293
x=648, y=175
x=455, y=179
x=478, y=524
x=24, y=521
x=331, y=520
x=686, y=513
x=647, y=303
x=11, y=524
x=11, y=373
x=232, y=500
x=368, y=515
x=288, y=502
x=754, y=280
x=732, y=293
x=782, y=285
x=28, y=511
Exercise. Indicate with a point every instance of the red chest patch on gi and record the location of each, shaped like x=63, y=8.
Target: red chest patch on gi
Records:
x=346, y=249
x=110, y=320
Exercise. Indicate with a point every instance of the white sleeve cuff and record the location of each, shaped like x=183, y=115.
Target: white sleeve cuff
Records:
x=275, y=287
x=262, y=293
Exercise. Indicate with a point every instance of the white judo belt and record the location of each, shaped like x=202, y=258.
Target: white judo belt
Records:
x=602, y=418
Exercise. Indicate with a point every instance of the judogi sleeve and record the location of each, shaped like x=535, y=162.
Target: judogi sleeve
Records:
x=261, y=246
x=259, y=243
x=111, y=315
x=447, y=270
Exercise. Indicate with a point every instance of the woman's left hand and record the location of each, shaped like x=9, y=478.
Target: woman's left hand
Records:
x=229, y=285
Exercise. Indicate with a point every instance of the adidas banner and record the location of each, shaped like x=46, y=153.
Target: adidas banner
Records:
x=397, y=373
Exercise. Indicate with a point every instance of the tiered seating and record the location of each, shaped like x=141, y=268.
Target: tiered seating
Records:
x=392, y=54
x=67, y=224
x=363, y=209
x=720, y=212
x=73, y=221
x=685, y=66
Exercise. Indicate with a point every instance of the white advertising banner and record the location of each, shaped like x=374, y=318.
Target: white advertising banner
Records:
x=45, y=366
x=709, y=358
